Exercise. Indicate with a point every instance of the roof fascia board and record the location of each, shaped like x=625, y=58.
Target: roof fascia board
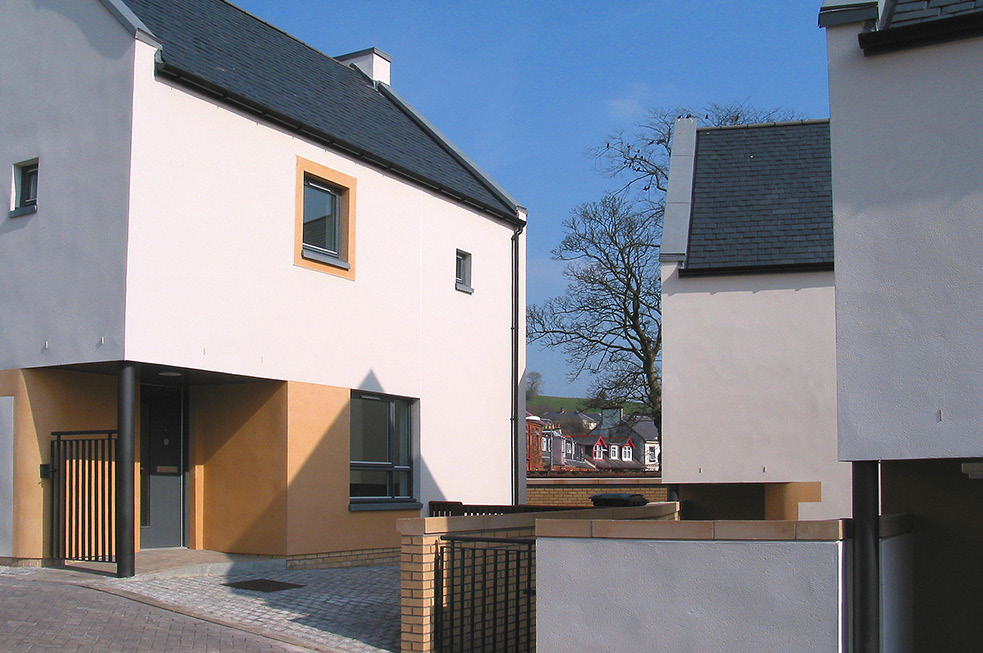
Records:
x=844, y=12
x=460, y=156
x=212, y=90
x=679, y=194
x=755, y=269
x=131, y=22
x=930, y=32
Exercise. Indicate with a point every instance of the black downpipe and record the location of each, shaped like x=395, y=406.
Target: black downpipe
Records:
x=126, y=426
x=866, y=558
x=518, y=436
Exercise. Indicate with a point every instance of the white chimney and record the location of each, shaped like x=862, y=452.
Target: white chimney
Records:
x=373, y=62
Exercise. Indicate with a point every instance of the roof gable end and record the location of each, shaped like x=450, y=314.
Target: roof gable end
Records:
x=238, y=59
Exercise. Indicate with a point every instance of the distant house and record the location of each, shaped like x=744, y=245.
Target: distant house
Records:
x=258, y=272
x=619, y=445
x=573, y=422
x=749, y=360
x=548, y=449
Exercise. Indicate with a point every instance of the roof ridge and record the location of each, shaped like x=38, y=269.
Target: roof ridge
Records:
x=759, y=125
x=284, y=32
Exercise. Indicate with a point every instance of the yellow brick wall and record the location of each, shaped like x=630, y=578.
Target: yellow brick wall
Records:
x=579, y=495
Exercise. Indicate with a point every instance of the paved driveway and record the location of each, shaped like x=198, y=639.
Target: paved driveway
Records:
x=352, y=610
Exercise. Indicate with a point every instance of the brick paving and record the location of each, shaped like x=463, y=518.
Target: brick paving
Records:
x=348, y=610
x=38, y=616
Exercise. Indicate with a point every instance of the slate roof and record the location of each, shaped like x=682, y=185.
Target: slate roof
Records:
x=762, y=199
x=911, y=12
x=230, y=54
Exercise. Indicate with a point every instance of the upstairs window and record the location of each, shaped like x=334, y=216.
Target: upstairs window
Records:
x=322, y=218
x=598, y=452
x=325, y=228
x=25, y=195
x=614, y=452
x=462, y=272
x=626, y=453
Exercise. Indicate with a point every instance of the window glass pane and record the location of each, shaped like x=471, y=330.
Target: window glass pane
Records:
x=401, y=432
x=459, y=270
x=401, y=485
x=29, y=185
x=369, y=483
x=370, y=430
x=320, y=218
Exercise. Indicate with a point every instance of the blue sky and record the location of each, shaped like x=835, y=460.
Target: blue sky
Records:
x=526, y=89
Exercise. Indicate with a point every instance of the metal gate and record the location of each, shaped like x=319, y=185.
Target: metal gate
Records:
x=83, y=496
x=486, y=591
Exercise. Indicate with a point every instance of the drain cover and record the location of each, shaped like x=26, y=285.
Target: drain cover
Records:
x=262, y=585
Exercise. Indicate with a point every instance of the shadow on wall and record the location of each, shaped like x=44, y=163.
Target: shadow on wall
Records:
x=272, y=461
x=102, y=32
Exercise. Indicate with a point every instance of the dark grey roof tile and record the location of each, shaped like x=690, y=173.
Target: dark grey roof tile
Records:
x=231, y=50
x=762, y=198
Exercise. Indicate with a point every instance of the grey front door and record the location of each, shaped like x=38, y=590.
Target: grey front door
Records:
x=161, y=467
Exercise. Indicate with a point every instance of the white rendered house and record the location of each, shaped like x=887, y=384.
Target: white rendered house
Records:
x=749, y=379
x=286, y=275
x=905, y=110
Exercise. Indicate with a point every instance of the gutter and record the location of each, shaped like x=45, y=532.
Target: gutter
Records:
x=930, y=32
x=777, y=268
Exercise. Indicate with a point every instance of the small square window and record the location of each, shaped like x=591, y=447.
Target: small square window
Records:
x=462, y=272
x=25, y=189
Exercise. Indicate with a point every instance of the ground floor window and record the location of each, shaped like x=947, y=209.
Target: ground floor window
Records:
x=381, y=452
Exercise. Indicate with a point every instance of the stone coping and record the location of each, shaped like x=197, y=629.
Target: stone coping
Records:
x=573, y=480
x=829, y=530
x=471, y=523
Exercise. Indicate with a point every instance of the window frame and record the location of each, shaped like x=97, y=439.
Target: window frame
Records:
x=21, y=203
x=628, y=451
x=391, y=468
x=341, y=263
x=613, y=452
x=462, y=272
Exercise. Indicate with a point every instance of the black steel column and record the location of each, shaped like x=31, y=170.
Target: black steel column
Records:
x=125, y=444
x=866, y=558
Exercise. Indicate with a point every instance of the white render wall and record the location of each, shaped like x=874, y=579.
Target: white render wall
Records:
x=749, y=383
x=677, y=595
x=211, y=282
x=65, y=98
x=907, y=204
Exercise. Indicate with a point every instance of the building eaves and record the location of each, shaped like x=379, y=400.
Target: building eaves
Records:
x=909, y=24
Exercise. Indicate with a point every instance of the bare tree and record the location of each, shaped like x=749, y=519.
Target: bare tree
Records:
x=640, y=160
x=534, y=384
x=609, y=320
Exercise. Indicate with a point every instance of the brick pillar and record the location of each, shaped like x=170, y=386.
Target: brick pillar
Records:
x=418, y=558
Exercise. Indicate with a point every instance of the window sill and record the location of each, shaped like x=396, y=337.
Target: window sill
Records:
x=384, y=505
x=464, y=288
x=24, y=210
x=323, y=257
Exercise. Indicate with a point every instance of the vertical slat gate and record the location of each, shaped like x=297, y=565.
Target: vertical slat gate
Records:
x=83, y=496
x=486, y=593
